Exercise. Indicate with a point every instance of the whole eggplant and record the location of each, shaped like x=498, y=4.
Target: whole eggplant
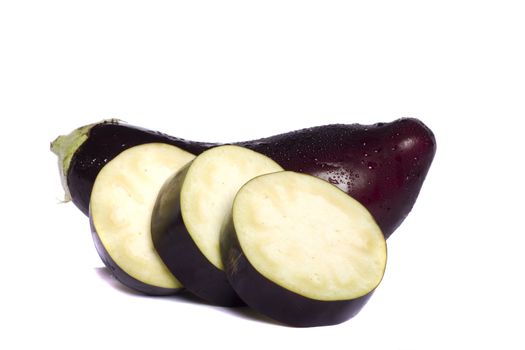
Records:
x=383, y=165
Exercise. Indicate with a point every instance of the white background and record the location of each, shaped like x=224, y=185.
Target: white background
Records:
x=237, y=70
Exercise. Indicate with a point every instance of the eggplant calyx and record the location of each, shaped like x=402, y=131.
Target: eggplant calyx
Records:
x=65, y=147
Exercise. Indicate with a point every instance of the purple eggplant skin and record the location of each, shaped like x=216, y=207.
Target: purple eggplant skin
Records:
x=179, y=252
x=274, y=301
x=383, y=166
x=123, y=276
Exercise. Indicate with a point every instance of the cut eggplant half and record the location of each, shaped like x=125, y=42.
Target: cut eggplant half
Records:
x=301, y=251
x=121, y=203
x=191, y=210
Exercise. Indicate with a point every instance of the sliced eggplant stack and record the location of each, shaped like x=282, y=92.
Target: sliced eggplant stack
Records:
x=121, y=203
x=190, y=212
x=301, y=251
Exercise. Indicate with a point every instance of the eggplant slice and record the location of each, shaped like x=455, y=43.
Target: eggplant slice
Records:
x=190, y=212
x=301, y=251
x=121, y=203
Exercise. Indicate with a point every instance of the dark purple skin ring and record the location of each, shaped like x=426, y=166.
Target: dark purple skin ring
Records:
x=178, y=251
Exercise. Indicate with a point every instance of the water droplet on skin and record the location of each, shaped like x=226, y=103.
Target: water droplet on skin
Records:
x=377, y=150
x=371, y=165
x=333, y=181
x=364, y=143
x=366, y=154
x=357, y=176
x=394, y=148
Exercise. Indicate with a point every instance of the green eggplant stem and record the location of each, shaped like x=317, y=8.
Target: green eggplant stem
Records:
x=65, y=147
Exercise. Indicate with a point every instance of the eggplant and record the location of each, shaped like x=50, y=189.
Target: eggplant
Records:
x=300, y=251
x=121, y=204
x=383, y=166
x=189, y=214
